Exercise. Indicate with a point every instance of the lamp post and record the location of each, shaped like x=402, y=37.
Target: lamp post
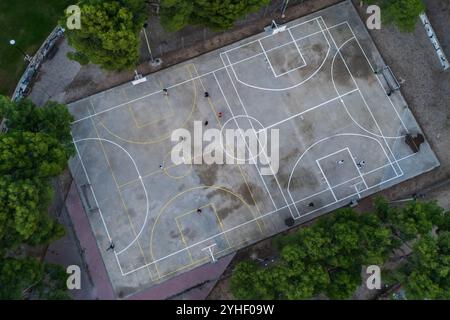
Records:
x=27, y=57
x=146, y=40
x=283, y=8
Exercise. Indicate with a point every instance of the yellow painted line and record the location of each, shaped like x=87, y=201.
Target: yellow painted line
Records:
x=213, y=209
x=197, y=262
x=184, y=240
x=174, y=166
x=192, y=211
x=221, y=225
x=152, y=141
x=118, y=190
x=133, y=114
x=156, y=172
x=163, y=208
x=214, y=110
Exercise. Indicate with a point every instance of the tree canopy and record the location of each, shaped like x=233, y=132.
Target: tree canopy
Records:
x=326, y=258
x=109, y=34
x=30, y=278
x=402, y=13
x=214, y=14
x=35, y=149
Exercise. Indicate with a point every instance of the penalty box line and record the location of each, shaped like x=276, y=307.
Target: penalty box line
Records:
x=360, y=176
x=364, y=174
x=276, y=47
x=307, y=110
x=261, y=217
x=96, y=202
x=251, y=124
x=379, y=81
x=246, y=144
x=362, y=96
x=196, y=77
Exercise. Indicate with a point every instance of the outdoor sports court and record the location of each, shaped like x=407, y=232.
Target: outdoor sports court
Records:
x=321, y=82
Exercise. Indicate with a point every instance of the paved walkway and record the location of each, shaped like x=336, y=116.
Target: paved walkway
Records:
x=54, y=76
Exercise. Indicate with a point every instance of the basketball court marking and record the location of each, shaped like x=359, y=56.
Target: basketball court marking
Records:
x=288, y=205
x=231, y=68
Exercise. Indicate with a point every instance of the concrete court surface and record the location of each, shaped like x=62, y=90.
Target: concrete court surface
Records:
x=341, y=138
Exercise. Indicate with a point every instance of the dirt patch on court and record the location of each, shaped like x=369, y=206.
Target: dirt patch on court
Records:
x=244, y=192
x=207, y=173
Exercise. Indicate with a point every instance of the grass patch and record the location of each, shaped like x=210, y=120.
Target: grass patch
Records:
x=29, y=22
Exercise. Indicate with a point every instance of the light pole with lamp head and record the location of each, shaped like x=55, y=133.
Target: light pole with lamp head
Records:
x=27, y=57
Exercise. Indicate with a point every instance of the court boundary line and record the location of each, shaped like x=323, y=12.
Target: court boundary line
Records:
x=363, y=98
x=360, y=176
x=277, y=209
x=326, y=139
x=259, y=142
x=268, y=214
x=186, y=81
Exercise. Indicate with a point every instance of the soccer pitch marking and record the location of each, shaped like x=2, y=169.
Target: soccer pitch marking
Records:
x=362, y=96
x=273, y=212
x=288, y=204
x=215, y=71
x=166, y=136
x=326, y=139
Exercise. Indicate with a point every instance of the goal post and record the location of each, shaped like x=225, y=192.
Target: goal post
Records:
x=274, y=28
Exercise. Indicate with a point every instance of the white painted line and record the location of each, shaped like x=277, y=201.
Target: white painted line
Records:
x=194, y=78
x=332, y=154
x=209, y=248
x=251, y=221
x=328, y=138
x=365, y=102
x=267, y=59
x=267, y=36
x=306, y=111
x=246, y=144
x=379, y=81
x=142, y=183
x=326, y=180
x=357, y=168
x=259, y=142
x=296, y=45
x=92, y=189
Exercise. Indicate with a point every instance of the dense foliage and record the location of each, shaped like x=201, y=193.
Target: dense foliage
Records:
x=109, y=34
x=327, y=257
x=35, y=149
x=214, y=14
x=402, y=13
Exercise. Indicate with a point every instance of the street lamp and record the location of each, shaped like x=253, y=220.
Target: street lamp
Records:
x=283, y=8
x=146, y=40
x=12, y=42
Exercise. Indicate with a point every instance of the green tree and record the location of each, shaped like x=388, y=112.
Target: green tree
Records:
x=402, y=13
x=413, y=219
x=52, y=119
x=214, y=14
x=109, y=34
x=304, y=276
x=325, y=258
x=23, y=214
x=426, y=274
x=29, y=278
x=243, y=282
x=34, y=150
x=26, y=155
x=343, y=283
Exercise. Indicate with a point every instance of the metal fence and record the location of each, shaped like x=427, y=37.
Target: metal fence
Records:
x=163, y=41
x=23, y=86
